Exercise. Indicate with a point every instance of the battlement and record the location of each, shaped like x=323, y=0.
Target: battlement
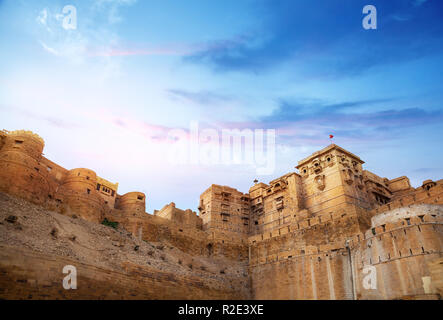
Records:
x=311, y=226
x=25, y=133
x=325, y=151
x=186, y=217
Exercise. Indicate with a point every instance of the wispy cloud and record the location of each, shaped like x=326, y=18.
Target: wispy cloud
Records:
x=53, y=121
x=91, y=34
x=310, y=122
x=112, y=7
x=426, y=170
x=207, y=98
x=313, y=42
x=418, y=3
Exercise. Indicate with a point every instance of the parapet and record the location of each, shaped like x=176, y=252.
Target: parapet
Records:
x=80, y=178
x=78, y=192
x=3, y=135
x=407, y=213
x=132, y=201
x=428, y=184
x=186, y=218
x=20, y=171
x=328, y=149
x=23, y=141
x=26, y=134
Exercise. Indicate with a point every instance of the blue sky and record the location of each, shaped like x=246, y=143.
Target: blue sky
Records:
x=103, y=95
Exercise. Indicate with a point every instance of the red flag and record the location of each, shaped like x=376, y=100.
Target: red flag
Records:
x=331, y=136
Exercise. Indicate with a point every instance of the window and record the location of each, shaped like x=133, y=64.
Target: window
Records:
x=18, y=141
x=210, y=249
x=88, y=191
x=140, y=198
x=113, y=193
x=98, y=186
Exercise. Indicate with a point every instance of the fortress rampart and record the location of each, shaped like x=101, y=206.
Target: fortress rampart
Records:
x=134, y=202
x=78, y=192
x=21, y=172
x=307, y=235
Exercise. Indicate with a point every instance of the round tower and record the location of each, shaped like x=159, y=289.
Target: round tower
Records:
x=132, y=202
x=20, y=171
x=79, y=192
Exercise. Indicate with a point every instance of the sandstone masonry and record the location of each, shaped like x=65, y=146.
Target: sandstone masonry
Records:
x=310, y=234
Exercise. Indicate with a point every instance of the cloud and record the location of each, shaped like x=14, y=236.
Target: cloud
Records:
x=334, y=116
x=426, y=170
x=328, y=40
x=300, y=123
x=418, y=3
x=401, y=18
x=112, y=8
x=201, y=97
x=91, y=35
x=51, y=120
x=49, y=49
x=42, y=17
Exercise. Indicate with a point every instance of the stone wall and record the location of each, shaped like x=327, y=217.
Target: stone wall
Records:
x=28, y=274
x=400, y=249
x=21, y=173
x=307, y=235
x=225, y=213
x=187, y=218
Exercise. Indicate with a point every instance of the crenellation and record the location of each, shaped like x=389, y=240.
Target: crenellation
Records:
x=303, y=235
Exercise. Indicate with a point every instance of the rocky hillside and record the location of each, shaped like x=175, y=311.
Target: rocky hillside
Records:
x=111, y=263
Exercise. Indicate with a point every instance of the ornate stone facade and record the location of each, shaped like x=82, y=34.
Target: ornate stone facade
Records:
x=307, y=235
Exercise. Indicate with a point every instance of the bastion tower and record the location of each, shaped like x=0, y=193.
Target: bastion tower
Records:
x=21, y=172
x=79, y=192
x=132, y=202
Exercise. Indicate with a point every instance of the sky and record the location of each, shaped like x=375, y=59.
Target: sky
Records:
x=111, y=93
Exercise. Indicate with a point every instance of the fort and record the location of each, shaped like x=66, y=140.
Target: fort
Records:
x=308, y=234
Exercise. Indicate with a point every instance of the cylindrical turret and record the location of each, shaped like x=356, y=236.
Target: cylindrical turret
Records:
x=20, y=171
x=132, y=202
x=79, y=192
